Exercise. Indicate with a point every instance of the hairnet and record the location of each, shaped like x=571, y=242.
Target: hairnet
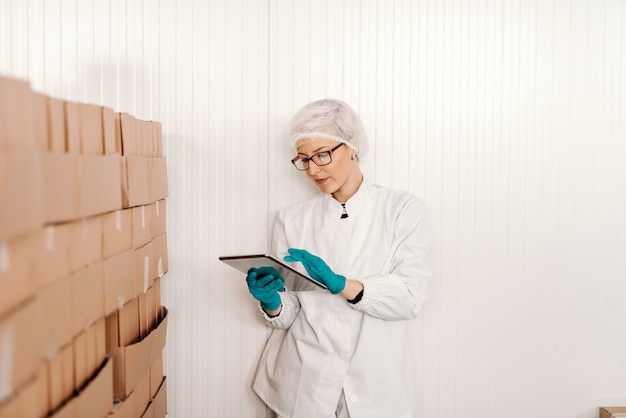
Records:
x=328, y=119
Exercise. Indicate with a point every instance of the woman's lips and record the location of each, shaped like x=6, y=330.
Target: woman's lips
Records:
x=320, y=181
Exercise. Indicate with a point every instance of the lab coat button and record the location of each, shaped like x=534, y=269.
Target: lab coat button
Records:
x=354, y=398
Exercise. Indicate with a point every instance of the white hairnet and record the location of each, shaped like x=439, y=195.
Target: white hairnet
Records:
x=328, y=119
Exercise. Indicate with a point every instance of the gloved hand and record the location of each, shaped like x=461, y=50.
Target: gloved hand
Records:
x=318, y=269
x=264, y=283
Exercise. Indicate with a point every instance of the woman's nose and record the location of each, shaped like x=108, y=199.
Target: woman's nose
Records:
x=313, y=168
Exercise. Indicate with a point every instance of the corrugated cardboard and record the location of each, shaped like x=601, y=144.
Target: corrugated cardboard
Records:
x=21, y=347
x=144, y=268
x=51, y=260
x=159, y=255
x=147, y=312
x=158, y=179
x=72, y=127
x=85, y=242
x=141, y=225
x=87, y=297
x=142, y=394
x=612, y=411
x=122, y=326
x=135, y=181
x=128, y=135
x=124, y=409
x=29, y=402
x=160, y=401
x=119, y=283
x=56, y=125
x=16, y=283
x=95, y=400
x=99, y=187
x=159, y=139
x=156, y=374
x=91, y=139
x=56, y=307
x=108, y=131
x=60, y=187
x=39, y=120
x=21, y=193
x=60, y=372
x=158, y=220
x=116, y=232
x=16, y=125
x=132, y=362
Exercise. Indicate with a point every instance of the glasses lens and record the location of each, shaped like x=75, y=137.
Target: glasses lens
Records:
x=323, y=158
x=299, y=163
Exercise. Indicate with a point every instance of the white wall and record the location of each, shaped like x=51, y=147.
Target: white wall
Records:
x=508, y=117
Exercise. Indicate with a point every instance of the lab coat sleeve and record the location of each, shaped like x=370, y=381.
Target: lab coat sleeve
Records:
x=400, y=293
x=288, y=313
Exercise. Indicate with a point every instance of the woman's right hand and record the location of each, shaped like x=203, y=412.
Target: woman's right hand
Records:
x=264, y=283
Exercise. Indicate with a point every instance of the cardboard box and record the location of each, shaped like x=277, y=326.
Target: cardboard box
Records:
x=87, y=297
x=141, y=225
x=60, y=372
x=160, y=401
x=158, y=179
x=158, y=219
x=16, y=127
x=135, y=181
x=124, y=408
x=159, y=139
x=51, y=260
x=159, y=255
x=156, y=375
x=142, y=394
x=119, y=282
x=89, y=353
x=91, y=139
x=116, y=232
x=129, y=140
x=612, y=411
x=109, y=131
x=72, y=127
x=56, y=308
x=21, y=347
x=56, y=125
x=28, y=402
x=60, y=187
x=132, y=362
x=95, y=400
x=21, y=193
x=85, y=245
x=122, y=326
x=99, y=184
x=40, y=121
x=148, y=315
x=16, y=283
x=144, y=268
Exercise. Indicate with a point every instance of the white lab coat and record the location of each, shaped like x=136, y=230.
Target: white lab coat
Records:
x=322, y=344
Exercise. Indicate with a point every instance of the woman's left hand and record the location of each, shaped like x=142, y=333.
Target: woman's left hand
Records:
x=318, y=269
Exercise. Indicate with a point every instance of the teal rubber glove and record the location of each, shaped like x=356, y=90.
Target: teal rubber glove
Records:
x=318, y=269
x=264, y=283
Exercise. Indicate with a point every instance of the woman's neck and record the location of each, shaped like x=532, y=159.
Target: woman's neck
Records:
x=349, y=189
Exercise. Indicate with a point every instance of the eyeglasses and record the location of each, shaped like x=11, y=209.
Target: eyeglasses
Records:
x=319, y=159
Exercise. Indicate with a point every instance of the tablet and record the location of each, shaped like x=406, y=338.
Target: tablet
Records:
x=292, y=276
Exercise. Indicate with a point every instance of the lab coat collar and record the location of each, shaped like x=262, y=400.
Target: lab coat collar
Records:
x=354, y=205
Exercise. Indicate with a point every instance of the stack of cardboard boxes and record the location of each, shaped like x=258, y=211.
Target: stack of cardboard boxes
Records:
x=83, y=247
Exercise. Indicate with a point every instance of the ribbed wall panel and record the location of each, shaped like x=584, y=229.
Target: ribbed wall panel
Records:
x=507, y=117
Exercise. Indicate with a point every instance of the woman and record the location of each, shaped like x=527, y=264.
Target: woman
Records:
x=344, y=352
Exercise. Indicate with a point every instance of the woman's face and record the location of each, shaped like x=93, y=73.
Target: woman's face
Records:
x=342, y=177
